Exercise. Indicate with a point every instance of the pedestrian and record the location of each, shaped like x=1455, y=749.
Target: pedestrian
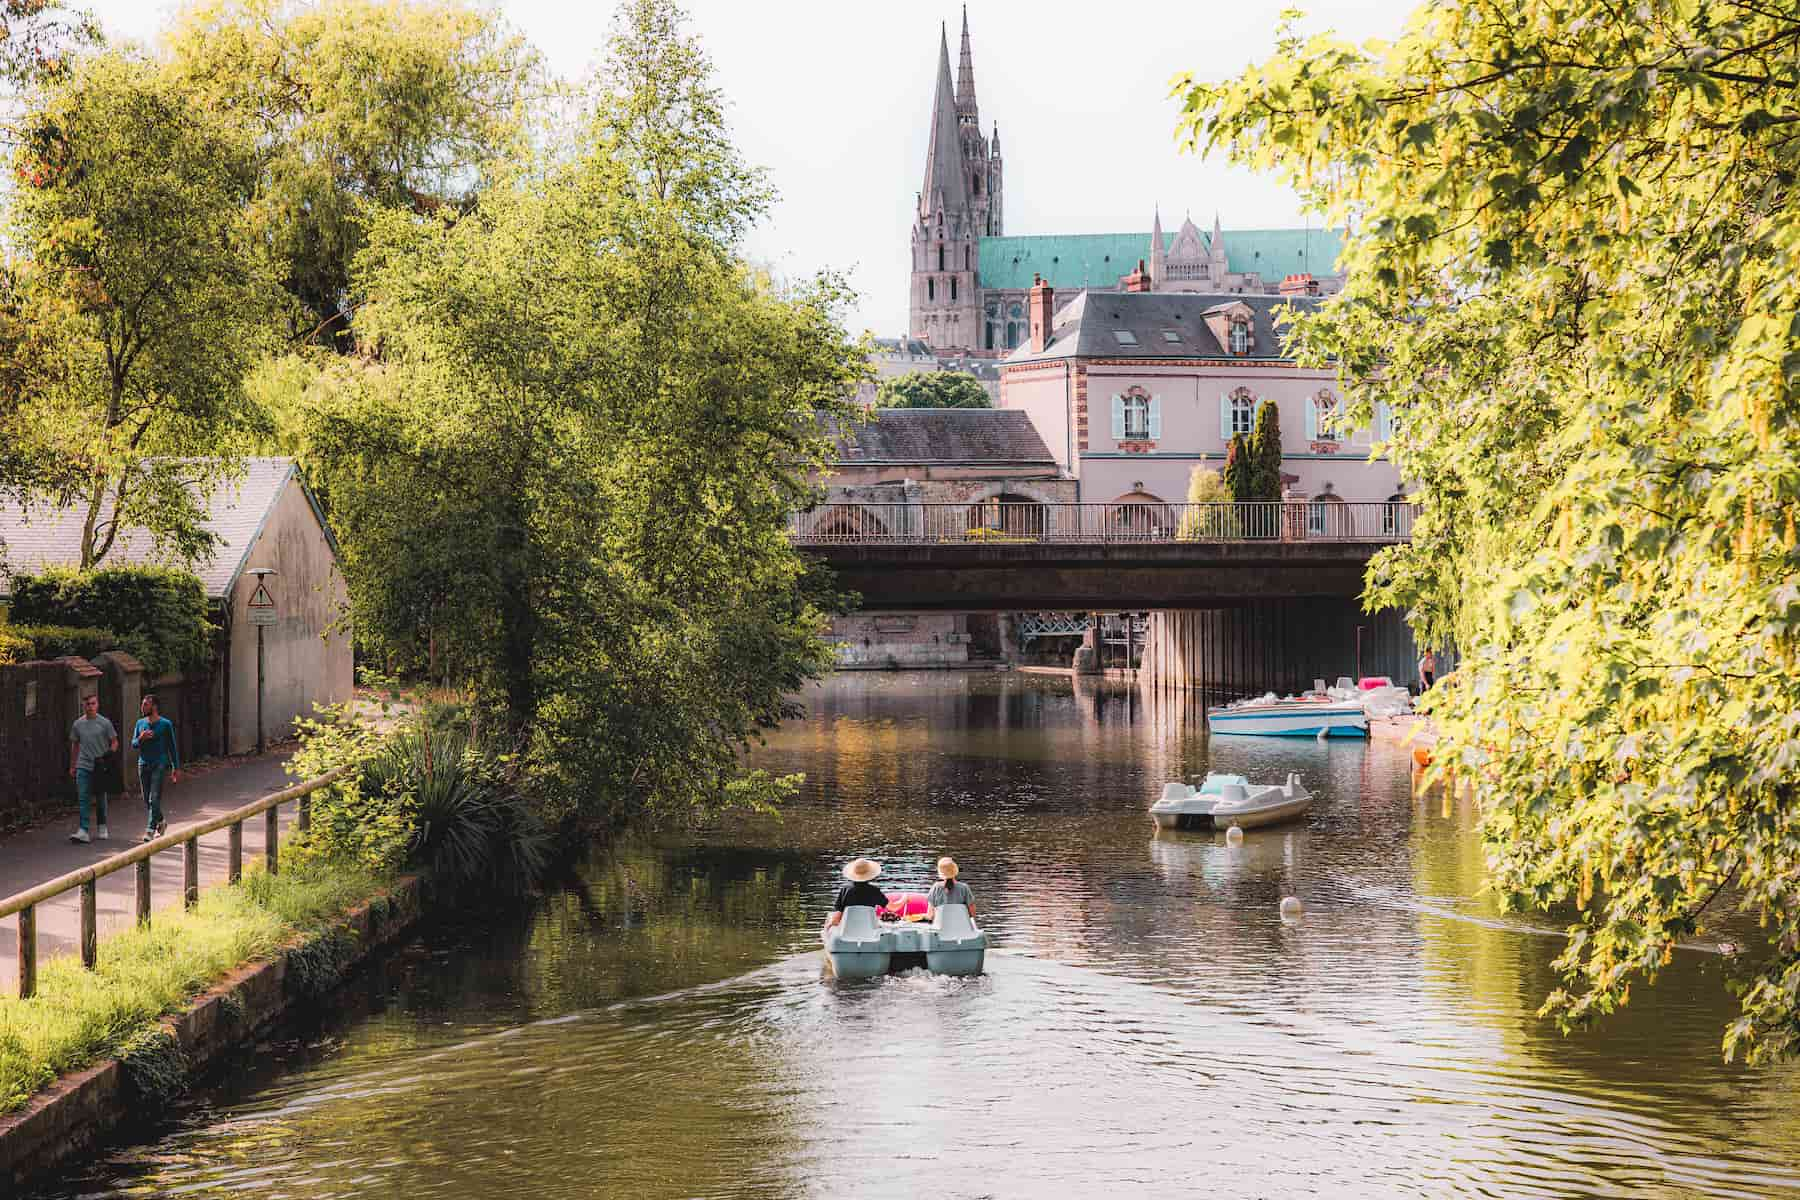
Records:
x=1427, y=671
x=158, y=757
x=91, y=739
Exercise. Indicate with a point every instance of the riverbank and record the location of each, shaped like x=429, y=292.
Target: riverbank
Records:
x=155, y=1056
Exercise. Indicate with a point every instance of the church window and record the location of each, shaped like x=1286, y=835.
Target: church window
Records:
x=992, y=331
x=968, y=259
x=953, y=288
x=931, y=289
x=940, y=258
x=1016, y=311
x=975, y=184
x=1012, y=334
x=1240, y=337
x=1243, y=412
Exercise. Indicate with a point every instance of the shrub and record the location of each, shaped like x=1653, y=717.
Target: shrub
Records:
x=1206, y=486
x=22, y=643
x=15, y=647
x=158, y=613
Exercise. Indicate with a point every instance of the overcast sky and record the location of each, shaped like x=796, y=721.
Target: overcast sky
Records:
x=834, y=98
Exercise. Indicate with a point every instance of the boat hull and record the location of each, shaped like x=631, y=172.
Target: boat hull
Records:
x=1296, y=720
x=1249, y=818
x=905, y=947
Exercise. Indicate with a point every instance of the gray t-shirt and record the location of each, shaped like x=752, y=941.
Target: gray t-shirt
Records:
x=952, y=892
x=92, y=738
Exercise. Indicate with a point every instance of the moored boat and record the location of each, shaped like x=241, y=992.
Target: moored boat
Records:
x=1226, y=800
x=1290, y=718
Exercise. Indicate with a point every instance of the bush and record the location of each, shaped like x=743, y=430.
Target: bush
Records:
x=157, y=613
x=23, y=643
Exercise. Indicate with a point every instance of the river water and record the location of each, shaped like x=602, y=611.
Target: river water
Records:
x=1148, y=1025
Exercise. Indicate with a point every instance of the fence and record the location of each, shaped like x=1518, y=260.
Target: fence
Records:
x=87, y=878
x=996, y=523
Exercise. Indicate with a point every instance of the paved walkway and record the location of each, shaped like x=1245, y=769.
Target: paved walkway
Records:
x=41, y=854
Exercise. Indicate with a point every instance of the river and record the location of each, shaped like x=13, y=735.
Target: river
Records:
x=1148, y=1026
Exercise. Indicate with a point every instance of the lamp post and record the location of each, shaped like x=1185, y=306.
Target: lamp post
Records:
x=262, y=615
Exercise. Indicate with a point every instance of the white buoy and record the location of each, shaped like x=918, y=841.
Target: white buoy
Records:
x=1234, y=836
x=1292, y=909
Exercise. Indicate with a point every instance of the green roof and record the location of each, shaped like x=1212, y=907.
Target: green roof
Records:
x=1097, y=260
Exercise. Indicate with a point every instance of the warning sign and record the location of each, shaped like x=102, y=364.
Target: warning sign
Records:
x=262, y=606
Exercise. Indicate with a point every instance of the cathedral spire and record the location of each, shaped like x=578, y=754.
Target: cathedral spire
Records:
x=965, y=79
x=1158, y=263
x=943, y=160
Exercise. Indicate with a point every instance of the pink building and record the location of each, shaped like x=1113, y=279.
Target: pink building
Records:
x=1132, y=390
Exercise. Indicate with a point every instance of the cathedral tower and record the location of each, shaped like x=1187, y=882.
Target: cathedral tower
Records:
x=958, y=205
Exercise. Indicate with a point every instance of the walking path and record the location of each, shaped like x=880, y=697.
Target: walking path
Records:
x=38, y=855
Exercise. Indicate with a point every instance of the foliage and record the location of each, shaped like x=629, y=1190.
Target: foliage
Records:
x=37, y=37
x=351, y=823
x=16, y=647
x=1265, y=454
x=1574, y=278
x=24, y=643
x=1239, y=475
x=573, y=446
x=157, y=614
x=932, y=389
x=130, y=204
x=358, y=105
x=1207, y=486
x=79, y=1016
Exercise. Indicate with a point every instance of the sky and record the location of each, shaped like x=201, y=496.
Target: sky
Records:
x=834, y=99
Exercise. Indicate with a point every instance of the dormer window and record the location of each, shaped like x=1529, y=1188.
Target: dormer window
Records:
x=1240, y=337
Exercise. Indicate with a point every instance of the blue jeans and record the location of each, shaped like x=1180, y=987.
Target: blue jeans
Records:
x=84, y=790
x=151, y=776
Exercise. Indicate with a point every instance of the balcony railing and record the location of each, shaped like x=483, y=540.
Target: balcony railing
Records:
x=990, y=523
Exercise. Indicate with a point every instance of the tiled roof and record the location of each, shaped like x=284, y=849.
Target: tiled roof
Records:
x=1087, y=327
x=943, y=435
x=1097, y=260
x=41, y=536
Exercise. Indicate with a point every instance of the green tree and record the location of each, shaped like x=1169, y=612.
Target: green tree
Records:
x=575, y=442
x=1574, y=278
x=143, y=304
x=932, y=389
x=38, y=36
x=1265, y=454
x=358, y=105
x=1239, y=474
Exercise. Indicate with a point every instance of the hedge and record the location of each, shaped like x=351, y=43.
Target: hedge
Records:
x=158, y=614
x=23, y=643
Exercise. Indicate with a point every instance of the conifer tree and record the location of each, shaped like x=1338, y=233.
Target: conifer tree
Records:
x=1265, y=454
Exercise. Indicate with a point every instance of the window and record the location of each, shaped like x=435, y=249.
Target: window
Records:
x=1137, y=418
x=968, y=261
x=975, y=185
x=1125, y=337
x=1016, y=311
x=1390, y=514
x=1240, y=337
x=940, y=258
x=953, y=287
x=1324, y=414
x=1243, y=412
x=1012, y=334
x=931, y=289
x=992, y=335
x=1169, y=335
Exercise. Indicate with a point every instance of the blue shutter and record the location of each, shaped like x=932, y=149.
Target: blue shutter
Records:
x=1155, y=417
x=1224, y=418
x=1118, y=418
x=1312, y=419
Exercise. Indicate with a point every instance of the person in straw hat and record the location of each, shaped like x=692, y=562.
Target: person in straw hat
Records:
x=948, y=890
x=859, y=891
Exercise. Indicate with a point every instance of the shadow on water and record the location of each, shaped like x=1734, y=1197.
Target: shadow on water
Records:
x=662, y=1027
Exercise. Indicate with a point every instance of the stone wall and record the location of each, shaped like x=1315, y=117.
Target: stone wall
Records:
x=899, y=641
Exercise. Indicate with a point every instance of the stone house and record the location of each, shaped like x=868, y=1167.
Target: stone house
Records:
x=266, y=518
x=1132, y=390
x=899, y=465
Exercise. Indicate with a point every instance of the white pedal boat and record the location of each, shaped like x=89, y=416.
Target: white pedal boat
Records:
x=1226, y=800
x=862, y=947
x=1291, y=718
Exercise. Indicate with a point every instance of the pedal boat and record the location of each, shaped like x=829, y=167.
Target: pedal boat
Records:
x=1291, y=718
x=1226, y=800
x=861, y=947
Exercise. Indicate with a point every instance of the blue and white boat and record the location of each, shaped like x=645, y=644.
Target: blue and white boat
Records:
x=1291, y=718
x=861, y=947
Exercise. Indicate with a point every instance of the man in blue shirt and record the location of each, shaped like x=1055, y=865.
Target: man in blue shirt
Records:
x=154, y=737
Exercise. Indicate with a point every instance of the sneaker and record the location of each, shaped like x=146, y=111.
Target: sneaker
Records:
x=80, y=835
x=149, y=835
x=100, y=835
x=162, y=827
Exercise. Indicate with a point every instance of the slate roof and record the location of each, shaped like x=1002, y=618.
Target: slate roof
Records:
x=971, y=436
x=1085, y=327
x=1097, y=260
x=42, y=536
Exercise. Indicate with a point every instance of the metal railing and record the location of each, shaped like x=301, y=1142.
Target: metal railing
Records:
x=988, y=522
x=88, y=878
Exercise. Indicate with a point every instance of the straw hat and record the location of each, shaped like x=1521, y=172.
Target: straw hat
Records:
x=862, y=870
x=946, y=868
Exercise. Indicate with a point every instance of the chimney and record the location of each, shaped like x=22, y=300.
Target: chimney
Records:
x=1138, y=280
x=1041, y=307
x=1299, y=285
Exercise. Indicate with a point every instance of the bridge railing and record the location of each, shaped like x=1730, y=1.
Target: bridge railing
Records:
x=992, y=523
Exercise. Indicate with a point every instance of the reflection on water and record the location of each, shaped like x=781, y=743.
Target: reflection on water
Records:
x=661, y=1027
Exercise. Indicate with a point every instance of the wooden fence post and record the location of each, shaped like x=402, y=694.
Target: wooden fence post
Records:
x=190, y=872
x=28, y=952
x=234, y=861
x=271, y=836
x=90, y=931
x=143, y=891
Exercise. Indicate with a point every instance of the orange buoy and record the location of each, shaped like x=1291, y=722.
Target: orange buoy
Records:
x=1421, y=756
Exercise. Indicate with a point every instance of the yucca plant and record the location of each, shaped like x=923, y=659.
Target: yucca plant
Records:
x=470, y=823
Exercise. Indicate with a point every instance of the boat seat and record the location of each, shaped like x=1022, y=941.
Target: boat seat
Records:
x=859, y=927
x=954, y=925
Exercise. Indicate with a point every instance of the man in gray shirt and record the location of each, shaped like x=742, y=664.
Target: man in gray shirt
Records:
x=91, y=736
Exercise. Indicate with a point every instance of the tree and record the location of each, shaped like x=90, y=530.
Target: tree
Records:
x=1265, y=454
x=37, y=37
x=572, y=443
x=144, y=302
x=1239, y=473
x=1208, y=487
x=358, y=105
x=1572, y=260
x=932, y=389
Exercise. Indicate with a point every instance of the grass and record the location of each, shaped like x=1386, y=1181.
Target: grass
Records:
x=79, y=1017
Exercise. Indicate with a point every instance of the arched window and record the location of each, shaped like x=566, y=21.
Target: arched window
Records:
x=931, y=289
x=1140, y=514
x=1326, y=515
x=1325, y=407
x=1391, y=519
x=968, y=259
x=1137, y=416
x=953, y=287
x=940, y=258
x=992, y=335
x=1012, y=334
x=1243, y=412
x=1240, y=337
x=975, y=185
